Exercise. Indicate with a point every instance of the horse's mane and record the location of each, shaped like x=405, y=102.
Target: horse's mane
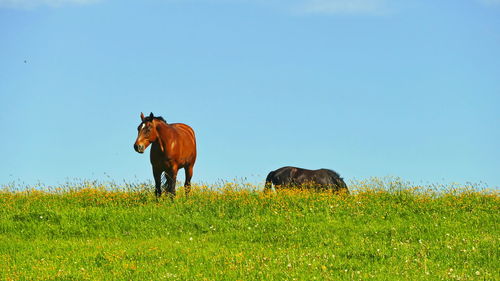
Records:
x=159, y=118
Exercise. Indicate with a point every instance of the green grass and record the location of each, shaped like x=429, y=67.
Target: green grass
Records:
x=384, y=230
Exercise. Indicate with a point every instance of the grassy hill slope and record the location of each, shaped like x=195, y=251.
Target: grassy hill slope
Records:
x=95, y=232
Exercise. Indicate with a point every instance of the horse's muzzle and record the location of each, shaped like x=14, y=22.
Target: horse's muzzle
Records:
x=139, y=148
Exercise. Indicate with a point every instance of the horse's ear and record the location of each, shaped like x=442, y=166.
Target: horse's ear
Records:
x=142, y=117
x=151, y=115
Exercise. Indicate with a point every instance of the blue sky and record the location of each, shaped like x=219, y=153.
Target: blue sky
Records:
x=364, y=87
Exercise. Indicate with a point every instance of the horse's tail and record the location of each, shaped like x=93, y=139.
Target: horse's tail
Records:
x=269, y=181
x=342, y=187
x=339, y=184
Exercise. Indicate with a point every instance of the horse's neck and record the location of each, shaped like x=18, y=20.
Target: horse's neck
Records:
x=162, y=130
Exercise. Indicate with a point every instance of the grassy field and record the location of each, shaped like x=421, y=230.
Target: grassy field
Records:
x=384, y=230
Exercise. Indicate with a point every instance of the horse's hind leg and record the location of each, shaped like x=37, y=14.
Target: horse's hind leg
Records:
x=171, y=181
x=189, y=174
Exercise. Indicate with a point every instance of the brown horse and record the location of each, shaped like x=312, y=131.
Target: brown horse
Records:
x=173, y=147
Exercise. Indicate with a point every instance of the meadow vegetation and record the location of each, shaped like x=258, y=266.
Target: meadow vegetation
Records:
x=386, y=229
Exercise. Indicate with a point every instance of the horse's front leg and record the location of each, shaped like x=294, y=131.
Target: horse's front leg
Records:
x=171, y=181
x=157, y=176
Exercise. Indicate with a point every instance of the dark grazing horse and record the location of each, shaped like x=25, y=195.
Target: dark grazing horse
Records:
x=293, y=177
x=173, y=147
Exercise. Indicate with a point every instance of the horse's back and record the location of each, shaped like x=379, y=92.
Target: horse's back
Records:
x=184, y=130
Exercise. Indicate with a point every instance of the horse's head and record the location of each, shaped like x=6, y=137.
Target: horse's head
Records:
x=147, y=133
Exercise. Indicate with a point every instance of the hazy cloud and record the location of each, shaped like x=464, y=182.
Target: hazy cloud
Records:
x=372, y=7
x=36, y=3
x=363, y=7
x=490, y=2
